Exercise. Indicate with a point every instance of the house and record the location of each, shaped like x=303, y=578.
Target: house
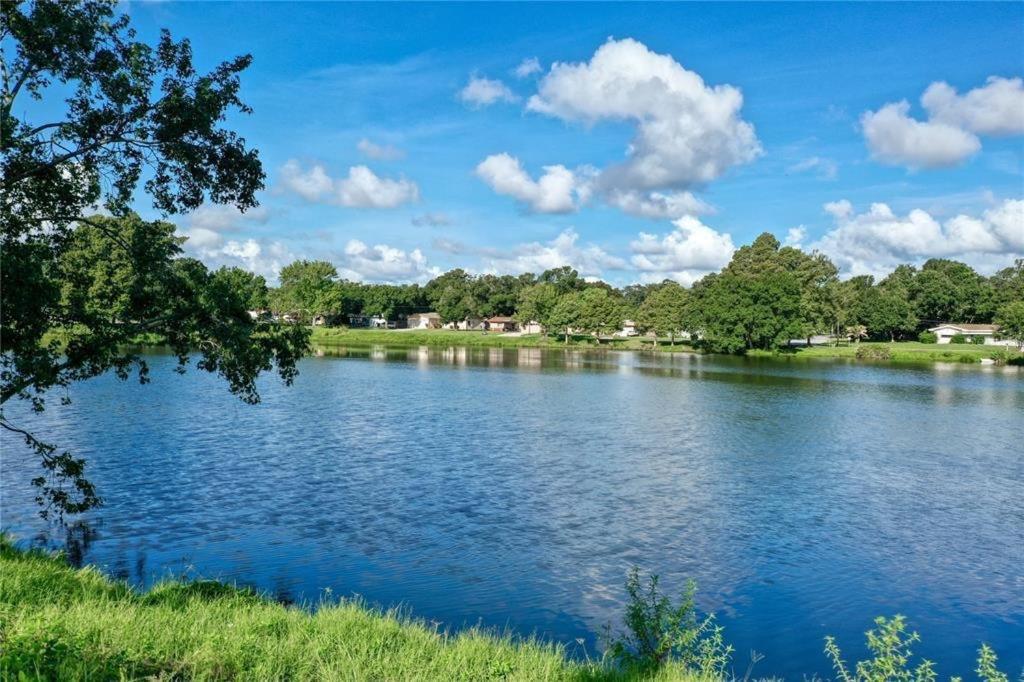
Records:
x=945, y=332
x=424, y=321
x=468, y=324
x=628, y=329
x=532, y=327
x=500, y=323
x=380, y=322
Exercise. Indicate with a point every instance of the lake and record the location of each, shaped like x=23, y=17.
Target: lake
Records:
x=515, y=488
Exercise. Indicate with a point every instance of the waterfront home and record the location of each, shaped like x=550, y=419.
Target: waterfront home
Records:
x=500, y=323
x=945, y=332
x=532, y=327
x=628, y=329
x=424, y=321
x=468, y=324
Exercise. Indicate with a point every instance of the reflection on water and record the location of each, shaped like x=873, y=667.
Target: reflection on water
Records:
x=517, y=486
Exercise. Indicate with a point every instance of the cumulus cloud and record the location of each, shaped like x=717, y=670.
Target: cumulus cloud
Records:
x=383, y=263
x=686, y=254
x=589, y=260
x=950, y=134
x=483, y=92
x=997, y=108
x=379, y=152
x=895, y=138
x=431, y=220
x=263, y=257
x=687, y=132
x=658, y=205
x=877, y=240
x=795, y=236
x=527, y=68
x=826, y=169
x=555, y=191
x=362, y=188
x=225, y=218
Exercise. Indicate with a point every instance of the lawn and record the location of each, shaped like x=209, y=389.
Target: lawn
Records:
x=59, y=623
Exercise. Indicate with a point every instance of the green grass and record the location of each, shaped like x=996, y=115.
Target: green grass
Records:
x=59, y=623
x=904, y=351
x=341, y=336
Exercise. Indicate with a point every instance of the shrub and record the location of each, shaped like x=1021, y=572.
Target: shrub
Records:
x=978, y=340
x=873, y=353
x=660, y=631
x=1008, y=356
x=958, y=338
x=927, y=337
x=889, y=645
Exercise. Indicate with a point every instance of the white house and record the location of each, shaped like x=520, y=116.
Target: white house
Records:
x=468, y=324
x=532, y=327
x=424, y=321
x=945, y=332
x=628, y=329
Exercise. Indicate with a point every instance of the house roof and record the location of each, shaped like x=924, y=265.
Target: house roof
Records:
x=499, y=318
x=432, y=316
x=991, y=328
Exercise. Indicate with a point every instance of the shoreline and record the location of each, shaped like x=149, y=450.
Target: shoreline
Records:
x=899, y=352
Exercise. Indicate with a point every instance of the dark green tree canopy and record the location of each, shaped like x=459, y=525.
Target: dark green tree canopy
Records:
x=77, y=286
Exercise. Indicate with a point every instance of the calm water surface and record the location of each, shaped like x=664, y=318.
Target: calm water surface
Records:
x=515, y=488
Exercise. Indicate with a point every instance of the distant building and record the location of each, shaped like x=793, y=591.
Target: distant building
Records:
x=468, y=324
x=500, y=323
x=628, y=329
x=532, y=327
x=945, y=332
x=424, y=321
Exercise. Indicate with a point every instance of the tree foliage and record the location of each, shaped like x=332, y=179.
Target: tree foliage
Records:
x=133, y=116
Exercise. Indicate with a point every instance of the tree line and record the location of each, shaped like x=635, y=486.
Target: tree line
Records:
x=767, y=295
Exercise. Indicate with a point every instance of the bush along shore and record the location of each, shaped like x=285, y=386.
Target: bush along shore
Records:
x=61, y=623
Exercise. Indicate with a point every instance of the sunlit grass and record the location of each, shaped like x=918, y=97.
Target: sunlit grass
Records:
x=59, y=623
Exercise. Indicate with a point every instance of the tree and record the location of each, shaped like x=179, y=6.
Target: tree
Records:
x=1008, y=284
x=309, y=290
x=129, y=110
x=252, y=288
x=664, y=310
x=567, y=313
x=599, y=311
x=537, y=303
x=887, y=312
x=565, y=279
x=950, y=291
x=1010, y=318
x=742, y=313
x=451, y=295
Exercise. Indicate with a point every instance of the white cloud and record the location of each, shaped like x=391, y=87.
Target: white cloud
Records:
x=826, y=169
x=840, y=210
x=796, y=235
x=225, y=218
x=255, y=255
x=362, y=188
x=483, y=92
x=556, y=191
x=383, y=263
x=687, y=133
x=658, y=204
x=588, y=260
x=997, y=108
x=686, y=254
x=431, y=220
x=895, y=138
x=527, y=68
x=950, y=135
x=877, y=240
x=385, y=152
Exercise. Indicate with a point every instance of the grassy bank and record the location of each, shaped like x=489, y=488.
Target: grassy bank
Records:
x=59, y=623
x=903, y=351
x=340, y=336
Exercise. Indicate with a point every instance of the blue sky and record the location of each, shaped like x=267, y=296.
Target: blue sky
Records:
x=646, y=141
